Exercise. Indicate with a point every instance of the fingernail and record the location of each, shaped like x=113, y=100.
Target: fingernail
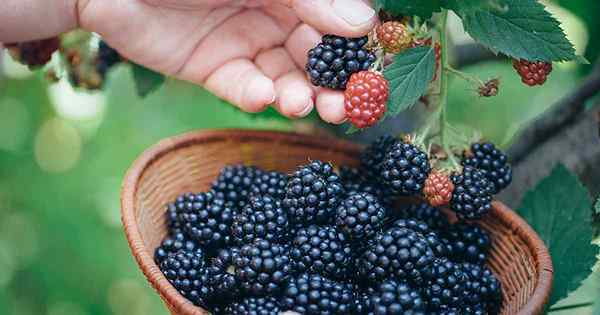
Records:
x=304, y=112
x=355, y=12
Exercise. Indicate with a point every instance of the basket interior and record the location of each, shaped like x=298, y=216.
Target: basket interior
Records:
x=191, y=167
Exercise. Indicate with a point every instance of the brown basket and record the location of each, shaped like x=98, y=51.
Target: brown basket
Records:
x=192, y=161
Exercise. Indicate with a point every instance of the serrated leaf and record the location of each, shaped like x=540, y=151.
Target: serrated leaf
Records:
x=559, y=209
x=422, y=8
x=146, y=80
x=408, y=77
x=521, y=29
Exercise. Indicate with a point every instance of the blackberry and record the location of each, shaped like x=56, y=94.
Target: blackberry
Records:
x=468, y=243
x=372, y=157
x=483, y=290
x=332, y=62
x=492, y=161
x=106, y=59
x=472, y=196
x=321, y=250
x=205, y=219
x=187, y=273
x=174, y=244
x=398, y=252
x=405, y=169
x=35, y=53
x=393, y=297
x=440, y=249
x=354, y=182
x=237, y=183
x=311, y=294
x=362, y=299
x=444, y=293
x=254, y=306
x=313, y=193
x=272, y=184
x=360, y=216
x=262, y=267
x=433, y=217
x=221, y=270
x=262, y=218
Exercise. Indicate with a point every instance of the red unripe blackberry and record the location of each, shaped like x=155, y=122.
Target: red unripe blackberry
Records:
x=489, y=88
x=34, y=53
x=394, y=37
x=532, y=72
x=365, y=98
x=438, y=189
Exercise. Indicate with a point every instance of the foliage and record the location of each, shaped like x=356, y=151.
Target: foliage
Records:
x=146, y=80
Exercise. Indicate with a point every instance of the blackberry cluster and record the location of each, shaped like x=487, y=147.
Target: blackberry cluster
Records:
x=316, y=242
x=472, y=196
x=404, y=169
x=323, y=250
x=106, y=59
x=492, y=161
x=332, y=62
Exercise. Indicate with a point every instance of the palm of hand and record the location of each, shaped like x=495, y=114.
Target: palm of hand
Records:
x=251, y=54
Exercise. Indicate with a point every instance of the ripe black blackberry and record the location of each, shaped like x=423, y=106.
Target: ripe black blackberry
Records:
x=405, y=169
x=106, y=59
x=362, y=299
x=313, y=193
x=174, y=244
x=332, y=62
x=483, y=290
x=205, y=219
x=468, y=243
x=321, y=250
x=371, y=159
x=435, y=242
x=312, y=294
x=254, y=306
x=472, y=196
x=271, y=183
x=360, y=216
x=187, y=273
x=263, y=217
x=491, y=160
x=237, y=183
x=444, y=291
x=394, y=297
x=221, y=273
x=433, y=217
x=354, y=182
x=399, y=253
x=262, y=268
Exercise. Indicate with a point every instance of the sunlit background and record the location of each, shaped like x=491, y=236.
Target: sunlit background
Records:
x=63, y=154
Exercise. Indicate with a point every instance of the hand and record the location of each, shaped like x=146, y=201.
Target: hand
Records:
x=249, y=52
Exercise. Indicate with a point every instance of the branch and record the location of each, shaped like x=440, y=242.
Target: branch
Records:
x=472, y=53
x=560, y=115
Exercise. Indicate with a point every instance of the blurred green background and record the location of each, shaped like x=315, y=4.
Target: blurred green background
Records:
x=63, y=154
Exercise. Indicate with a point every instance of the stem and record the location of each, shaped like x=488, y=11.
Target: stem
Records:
x=465, y=76
x=569, y=307
x=444, y=90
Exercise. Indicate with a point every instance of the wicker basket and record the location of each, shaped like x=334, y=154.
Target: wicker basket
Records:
x=191, y=162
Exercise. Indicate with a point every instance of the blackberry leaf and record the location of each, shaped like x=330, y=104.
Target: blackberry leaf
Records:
x=146, y=80
x=422, y=8
x=409, y=76
x=521, y=29
x=564, y=225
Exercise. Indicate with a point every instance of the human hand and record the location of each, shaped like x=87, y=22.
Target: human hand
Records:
x=251, y=53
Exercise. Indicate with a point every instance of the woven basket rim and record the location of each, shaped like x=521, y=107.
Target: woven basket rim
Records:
x=181, y=305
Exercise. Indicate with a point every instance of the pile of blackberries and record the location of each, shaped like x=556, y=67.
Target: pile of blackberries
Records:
x=321, y=242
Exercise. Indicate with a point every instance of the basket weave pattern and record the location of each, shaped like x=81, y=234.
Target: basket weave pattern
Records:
x=189, y=163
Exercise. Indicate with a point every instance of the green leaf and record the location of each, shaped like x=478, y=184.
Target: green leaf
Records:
x=408, y=76
x=146, y=80
x=559, y=209
x=521, y=29
x=422, y=8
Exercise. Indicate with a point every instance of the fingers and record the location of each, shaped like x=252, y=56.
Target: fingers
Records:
x=275, y=62
x=302, y=39
x=349, y=18
x=295, y=97
x=330, y=105
x=241, y=83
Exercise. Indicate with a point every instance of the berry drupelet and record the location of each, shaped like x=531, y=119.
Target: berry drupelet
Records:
x=360, y=216
x=263, y=217
x=405, y=169
x=254, y=306
x=332, y=62
x=313, y=193
x=321, y=250
x=472, y=196
x=372, y=157
x=399, y=253
x=492, y=161
x=262, y=268
x=392, y=297
x=311, y=294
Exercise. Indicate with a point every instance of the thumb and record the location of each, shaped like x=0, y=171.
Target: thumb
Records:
x=348, y=18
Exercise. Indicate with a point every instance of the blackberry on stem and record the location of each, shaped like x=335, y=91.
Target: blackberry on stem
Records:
x=311, y=294
x=313, y=193
x=262, y=267
x=321, y=250
x=393, y=297
x=492, y=161
x=263, y=217
x=472, y=196
x=405, y=169
x=332, y=62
